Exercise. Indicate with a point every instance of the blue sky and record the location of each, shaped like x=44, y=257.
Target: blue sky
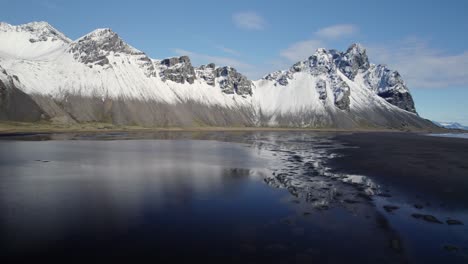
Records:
x=426, y=41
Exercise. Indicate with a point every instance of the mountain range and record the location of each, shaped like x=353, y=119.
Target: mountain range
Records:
x=45, y=76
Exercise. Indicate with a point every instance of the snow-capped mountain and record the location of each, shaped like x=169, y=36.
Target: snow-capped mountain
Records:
x=451, y=125
x=100, y=78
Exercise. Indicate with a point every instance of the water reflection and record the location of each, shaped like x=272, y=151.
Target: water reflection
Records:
x=197, y=194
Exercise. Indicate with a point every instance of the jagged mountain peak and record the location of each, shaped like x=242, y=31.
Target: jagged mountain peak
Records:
x=356, y=48
x=352, y=61
x=326, y=64
x=105, y=39
x=99, y=33
x=96, y=46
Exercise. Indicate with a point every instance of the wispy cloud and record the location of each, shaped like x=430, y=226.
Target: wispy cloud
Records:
x=228, y=50
x=421, y=65
x=49, y=4
x=199, y=58
x=249, y=20
x=337, y=31
x=320, y=39
x=302, y=49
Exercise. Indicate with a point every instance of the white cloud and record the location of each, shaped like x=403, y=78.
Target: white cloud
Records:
x=249, y=20
x=337, y=31
x=228, y=50
x=301, y=50
x=422, y=66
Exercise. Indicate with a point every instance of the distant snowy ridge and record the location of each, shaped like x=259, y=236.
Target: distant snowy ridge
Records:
x=451, y=125
x=100, y=78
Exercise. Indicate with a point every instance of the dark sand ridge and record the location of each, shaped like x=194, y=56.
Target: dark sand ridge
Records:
x=422, y=167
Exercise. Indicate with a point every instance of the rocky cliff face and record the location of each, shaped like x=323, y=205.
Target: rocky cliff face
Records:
x=229, y=80
x=352, y=61
x=389, y=85
x=100, y=78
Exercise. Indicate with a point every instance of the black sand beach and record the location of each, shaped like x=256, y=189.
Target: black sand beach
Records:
x=432, y=168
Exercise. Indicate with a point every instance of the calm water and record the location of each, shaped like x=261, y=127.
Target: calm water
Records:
x=453, y=135
x=230, y=197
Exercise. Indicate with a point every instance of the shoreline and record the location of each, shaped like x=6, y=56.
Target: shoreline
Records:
x=12, y=128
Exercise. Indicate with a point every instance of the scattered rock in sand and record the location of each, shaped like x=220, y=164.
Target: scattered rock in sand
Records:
x=454, y=222
x=384, y=195
x=312, y=173
x=418, y=206
x=427, y=218
x=248, y=248
x=322, y=207
x=349, y=201
x=451, y=248
x=390, y=208
x=365, y=196
x=276, y=247
x=304, y=258
x=306, y=213
x=395, y=244
x=296, y=158
x=298, y=231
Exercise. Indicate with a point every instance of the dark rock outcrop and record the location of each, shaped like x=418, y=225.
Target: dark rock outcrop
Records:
x=177, y=69
x=342, y=93
x=233, y=82
x=321, y=87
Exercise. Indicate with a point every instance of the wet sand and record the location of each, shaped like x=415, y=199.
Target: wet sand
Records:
x=433, y=169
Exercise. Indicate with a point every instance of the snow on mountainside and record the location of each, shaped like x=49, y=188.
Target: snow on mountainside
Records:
x=99, y=77
x=31, y=41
